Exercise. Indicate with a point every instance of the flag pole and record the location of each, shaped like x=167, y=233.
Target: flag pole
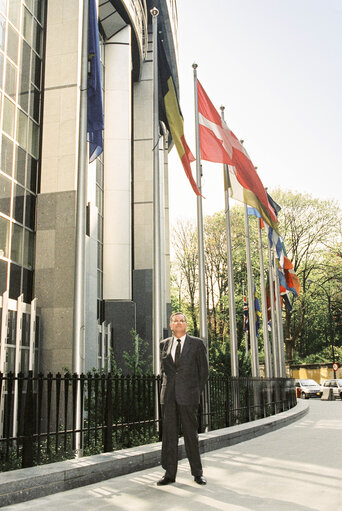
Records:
x=232, y=312
x=281, y=356
x=244, y=326
x=252, y=328
x=202, y=294
x=78, y=354
x=201, y=267
x=268, y=368
x=157, y=319
x=274, y=322
x=79, y=285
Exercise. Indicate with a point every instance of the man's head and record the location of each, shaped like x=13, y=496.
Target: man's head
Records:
x=178, y=324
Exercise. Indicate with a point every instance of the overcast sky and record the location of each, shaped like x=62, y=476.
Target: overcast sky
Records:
x=276, y=67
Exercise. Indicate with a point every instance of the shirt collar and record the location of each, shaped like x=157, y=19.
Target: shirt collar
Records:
x=181, y=338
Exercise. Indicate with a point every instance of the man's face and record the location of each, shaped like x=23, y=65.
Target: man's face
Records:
x=178, y=325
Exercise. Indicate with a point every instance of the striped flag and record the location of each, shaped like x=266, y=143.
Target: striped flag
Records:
x=170, y=113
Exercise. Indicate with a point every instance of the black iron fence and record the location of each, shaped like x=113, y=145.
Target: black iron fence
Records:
x=50, y=418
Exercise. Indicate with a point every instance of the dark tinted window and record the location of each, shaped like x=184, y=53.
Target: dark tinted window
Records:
x=5, y=195
x=27, y=285
x=18, y=203
x=30, y=210
x=15, y=280
x=3, y=276
x=25, y=76
x=19, y=167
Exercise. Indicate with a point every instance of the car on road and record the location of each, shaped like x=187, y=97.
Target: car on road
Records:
x=335, y=384
x=306, y=388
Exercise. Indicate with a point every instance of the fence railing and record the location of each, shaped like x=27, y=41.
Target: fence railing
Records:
x=38, y=422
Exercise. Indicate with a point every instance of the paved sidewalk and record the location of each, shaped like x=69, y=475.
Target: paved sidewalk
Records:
x=296, y=468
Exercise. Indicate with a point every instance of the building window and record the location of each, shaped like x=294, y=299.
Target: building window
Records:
x=21, y=55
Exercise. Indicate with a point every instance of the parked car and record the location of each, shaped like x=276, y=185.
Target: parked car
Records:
x=308, y=388
x=336, y=386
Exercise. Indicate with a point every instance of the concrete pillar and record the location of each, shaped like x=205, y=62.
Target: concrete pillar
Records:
x=55, y=234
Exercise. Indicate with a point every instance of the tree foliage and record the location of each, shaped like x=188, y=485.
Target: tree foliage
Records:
x=311, y=229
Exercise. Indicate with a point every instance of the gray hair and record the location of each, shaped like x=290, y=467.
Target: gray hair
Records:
x=178, y=314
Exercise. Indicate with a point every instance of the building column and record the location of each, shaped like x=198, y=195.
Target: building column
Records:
x=143, y=197
x=56, y=202
x=117, y=246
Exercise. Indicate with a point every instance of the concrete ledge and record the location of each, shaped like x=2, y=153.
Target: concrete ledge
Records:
x=30, y=483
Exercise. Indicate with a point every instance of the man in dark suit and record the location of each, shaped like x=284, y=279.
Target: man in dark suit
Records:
x=184, y=367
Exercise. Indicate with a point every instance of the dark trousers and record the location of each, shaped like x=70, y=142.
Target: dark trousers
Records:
x=173, y=415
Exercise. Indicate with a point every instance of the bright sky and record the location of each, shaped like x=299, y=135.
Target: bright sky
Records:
x=276, y=67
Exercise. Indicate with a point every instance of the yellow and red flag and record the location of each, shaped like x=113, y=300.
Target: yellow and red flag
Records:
x=170, y=113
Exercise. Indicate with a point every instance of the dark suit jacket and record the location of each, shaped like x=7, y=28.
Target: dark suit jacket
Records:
x=185, y=383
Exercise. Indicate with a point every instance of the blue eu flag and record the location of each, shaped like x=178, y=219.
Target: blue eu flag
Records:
x=95, y=108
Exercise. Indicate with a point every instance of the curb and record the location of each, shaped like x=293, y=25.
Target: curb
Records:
x=31, y=483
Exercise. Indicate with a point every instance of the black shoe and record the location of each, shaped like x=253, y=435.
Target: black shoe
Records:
x=200, y=480
x=165, y=480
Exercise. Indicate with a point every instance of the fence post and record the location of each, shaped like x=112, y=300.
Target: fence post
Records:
x=27, y=460
x=108, y=437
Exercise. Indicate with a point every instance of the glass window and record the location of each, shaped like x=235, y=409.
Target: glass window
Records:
x=35, y=103
x=6, y=155
x=99, y=256
x=24, y=362
x=33, y=142
x=38, y=9
x=4, y=236
x=29, y=4
x=25, y=338
x=5, y=195
x=37, y=37
x=22, y=129
x=11, y=327
x=99, y=284
x=18, y=203
x=99, y=228
x=11, y=80
x=31, y=182
x=2, y=32
x=1, y=68
x=10, y=358
x=27, y=26
x=17, y=244
x=15, y=281
x=12, y=44
x=24, y=86
x=99, y=173
x=3, y=276
x=30, y=210
x=28, y=248
x=36, y=70
x=99, y=203
x=27, y=285
x=8, y=120
x=19, y=167
x=3, y=6
x=14, y=12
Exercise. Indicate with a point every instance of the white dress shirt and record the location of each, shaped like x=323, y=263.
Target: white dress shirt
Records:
x=174, y=345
